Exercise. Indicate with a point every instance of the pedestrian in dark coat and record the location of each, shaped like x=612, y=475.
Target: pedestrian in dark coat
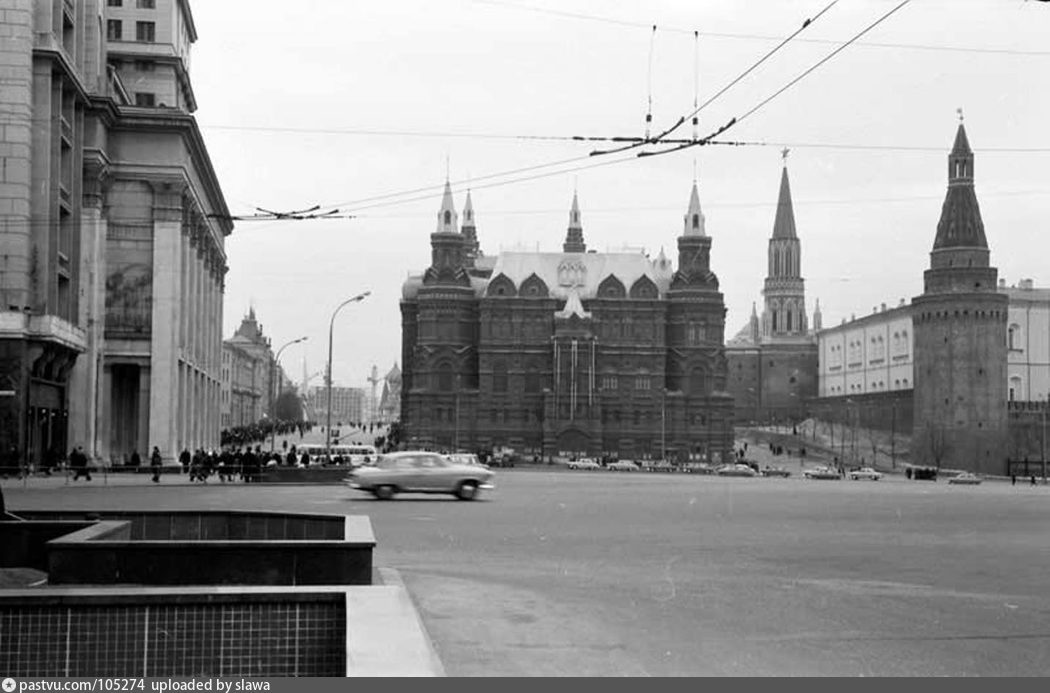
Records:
x=155, y=461
x=184, y=460
x=136, y=461
x=79, y=462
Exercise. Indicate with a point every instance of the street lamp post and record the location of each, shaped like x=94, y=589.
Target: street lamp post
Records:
x=663, y=425
x=1042, y=454
x=328, y=377
x=274, y=390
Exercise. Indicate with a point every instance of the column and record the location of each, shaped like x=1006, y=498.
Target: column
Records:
x=105, y=415
x=84, y=380
x=164, y=357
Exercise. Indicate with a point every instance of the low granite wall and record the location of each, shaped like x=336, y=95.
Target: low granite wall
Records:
x=199, y=548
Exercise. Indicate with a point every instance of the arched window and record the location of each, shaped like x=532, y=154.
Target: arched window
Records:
x=532, y=378
x=1015, y=388
x=499, y=377
x=1013, y=337
x=445, y=377
x=696, y=221
x=698, y=381
x=448, y=217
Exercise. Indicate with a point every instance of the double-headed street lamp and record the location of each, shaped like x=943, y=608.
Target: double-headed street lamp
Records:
x=275, y=390
x=328, y=377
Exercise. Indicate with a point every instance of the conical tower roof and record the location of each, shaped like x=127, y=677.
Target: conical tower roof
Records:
x=447, y=218
x=960, y=225
x=784, y=224
x=574, y=235
x=694, y=218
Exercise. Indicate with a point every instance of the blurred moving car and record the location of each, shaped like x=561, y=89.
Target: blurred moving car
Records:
x=865, y=473
x=419, y=471
x=623, y=466
x=584, y=463
x=821, y=473
x=775, y=471
x=966, y=478
x=735, y=470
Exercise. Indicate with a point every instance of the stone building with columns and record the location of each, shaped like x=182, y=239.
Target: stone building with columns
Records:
x=114, y=229
x=566, y=353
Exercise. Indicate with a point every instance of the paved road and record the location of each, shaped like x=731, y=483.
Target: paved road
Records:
x=599, y=573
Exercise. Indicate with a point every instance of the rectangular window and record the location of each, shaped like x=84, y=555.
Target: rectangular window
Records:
x=114, y=3
x=146, y=4
x=145, y=65
x=113, y=30
x=146, y=32
x=144, y=99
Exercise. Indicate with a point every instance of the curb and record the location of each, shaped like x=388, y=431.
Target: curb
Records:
x=392, y=578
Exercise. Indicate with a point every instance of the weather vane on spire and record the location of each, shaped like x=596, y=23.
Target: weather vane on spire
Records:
x=784, y=154
x=959, y=111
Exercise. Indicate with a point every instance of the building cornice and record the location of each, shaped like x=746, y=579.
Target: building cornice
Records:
x=172, y=120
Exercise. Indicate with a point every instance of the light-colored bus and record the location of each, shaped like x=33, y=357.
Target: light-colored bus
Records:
x=348, y=453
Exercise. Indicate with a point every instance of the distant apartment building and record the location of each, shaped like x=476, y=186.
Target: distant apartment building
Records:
x=252, y=374
x=348, y=404
x=113, y=230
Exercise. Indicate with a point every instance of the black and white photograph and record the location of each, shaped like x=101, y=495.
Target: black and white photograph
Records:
x=522, y=338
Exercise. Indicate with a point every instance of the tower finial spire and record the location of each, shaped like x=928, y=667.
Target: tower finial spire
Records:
x=784, y=155
x=447, y=217
x=574, y=235
x=960, y=112
x=694, y=217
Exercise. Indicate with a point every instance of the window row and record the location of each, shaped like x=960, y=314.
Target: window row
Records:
x=145, y=32
x=139, y=4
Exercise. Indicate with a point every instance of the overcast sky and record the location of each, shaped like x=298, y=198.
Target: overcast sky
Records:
x=331, y=103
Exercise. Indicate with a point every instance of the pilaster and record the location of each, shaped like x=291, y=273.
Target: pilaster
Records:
x=167, y=271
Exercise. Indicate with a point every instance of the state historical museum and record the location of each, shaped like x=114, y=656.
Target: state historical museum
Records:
x=566, y=353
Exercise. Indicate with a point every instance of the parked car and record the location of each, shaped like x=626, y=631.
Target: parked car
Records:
x=660, y=466
x=966, y=478
x=584, y=463
x=419, y=471
x=623, y=466
x=822, y=473
x=735, y=470
x=865, y=473
x=921, y=473
x=775, y=471
x=698, y=468
x=465, y=458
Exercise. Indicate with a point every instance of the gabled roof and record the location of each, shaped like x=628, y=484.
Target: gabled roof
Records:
x=563, y=272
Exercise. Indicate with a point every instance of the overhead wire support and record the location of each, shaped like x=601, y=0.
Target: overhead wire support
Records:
x=696, y=110
x=787, y=86
x=294, y=215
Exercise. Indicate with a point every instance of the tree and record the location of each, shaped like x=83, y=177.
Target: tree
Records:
x=288, y=407
x=937, y=444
